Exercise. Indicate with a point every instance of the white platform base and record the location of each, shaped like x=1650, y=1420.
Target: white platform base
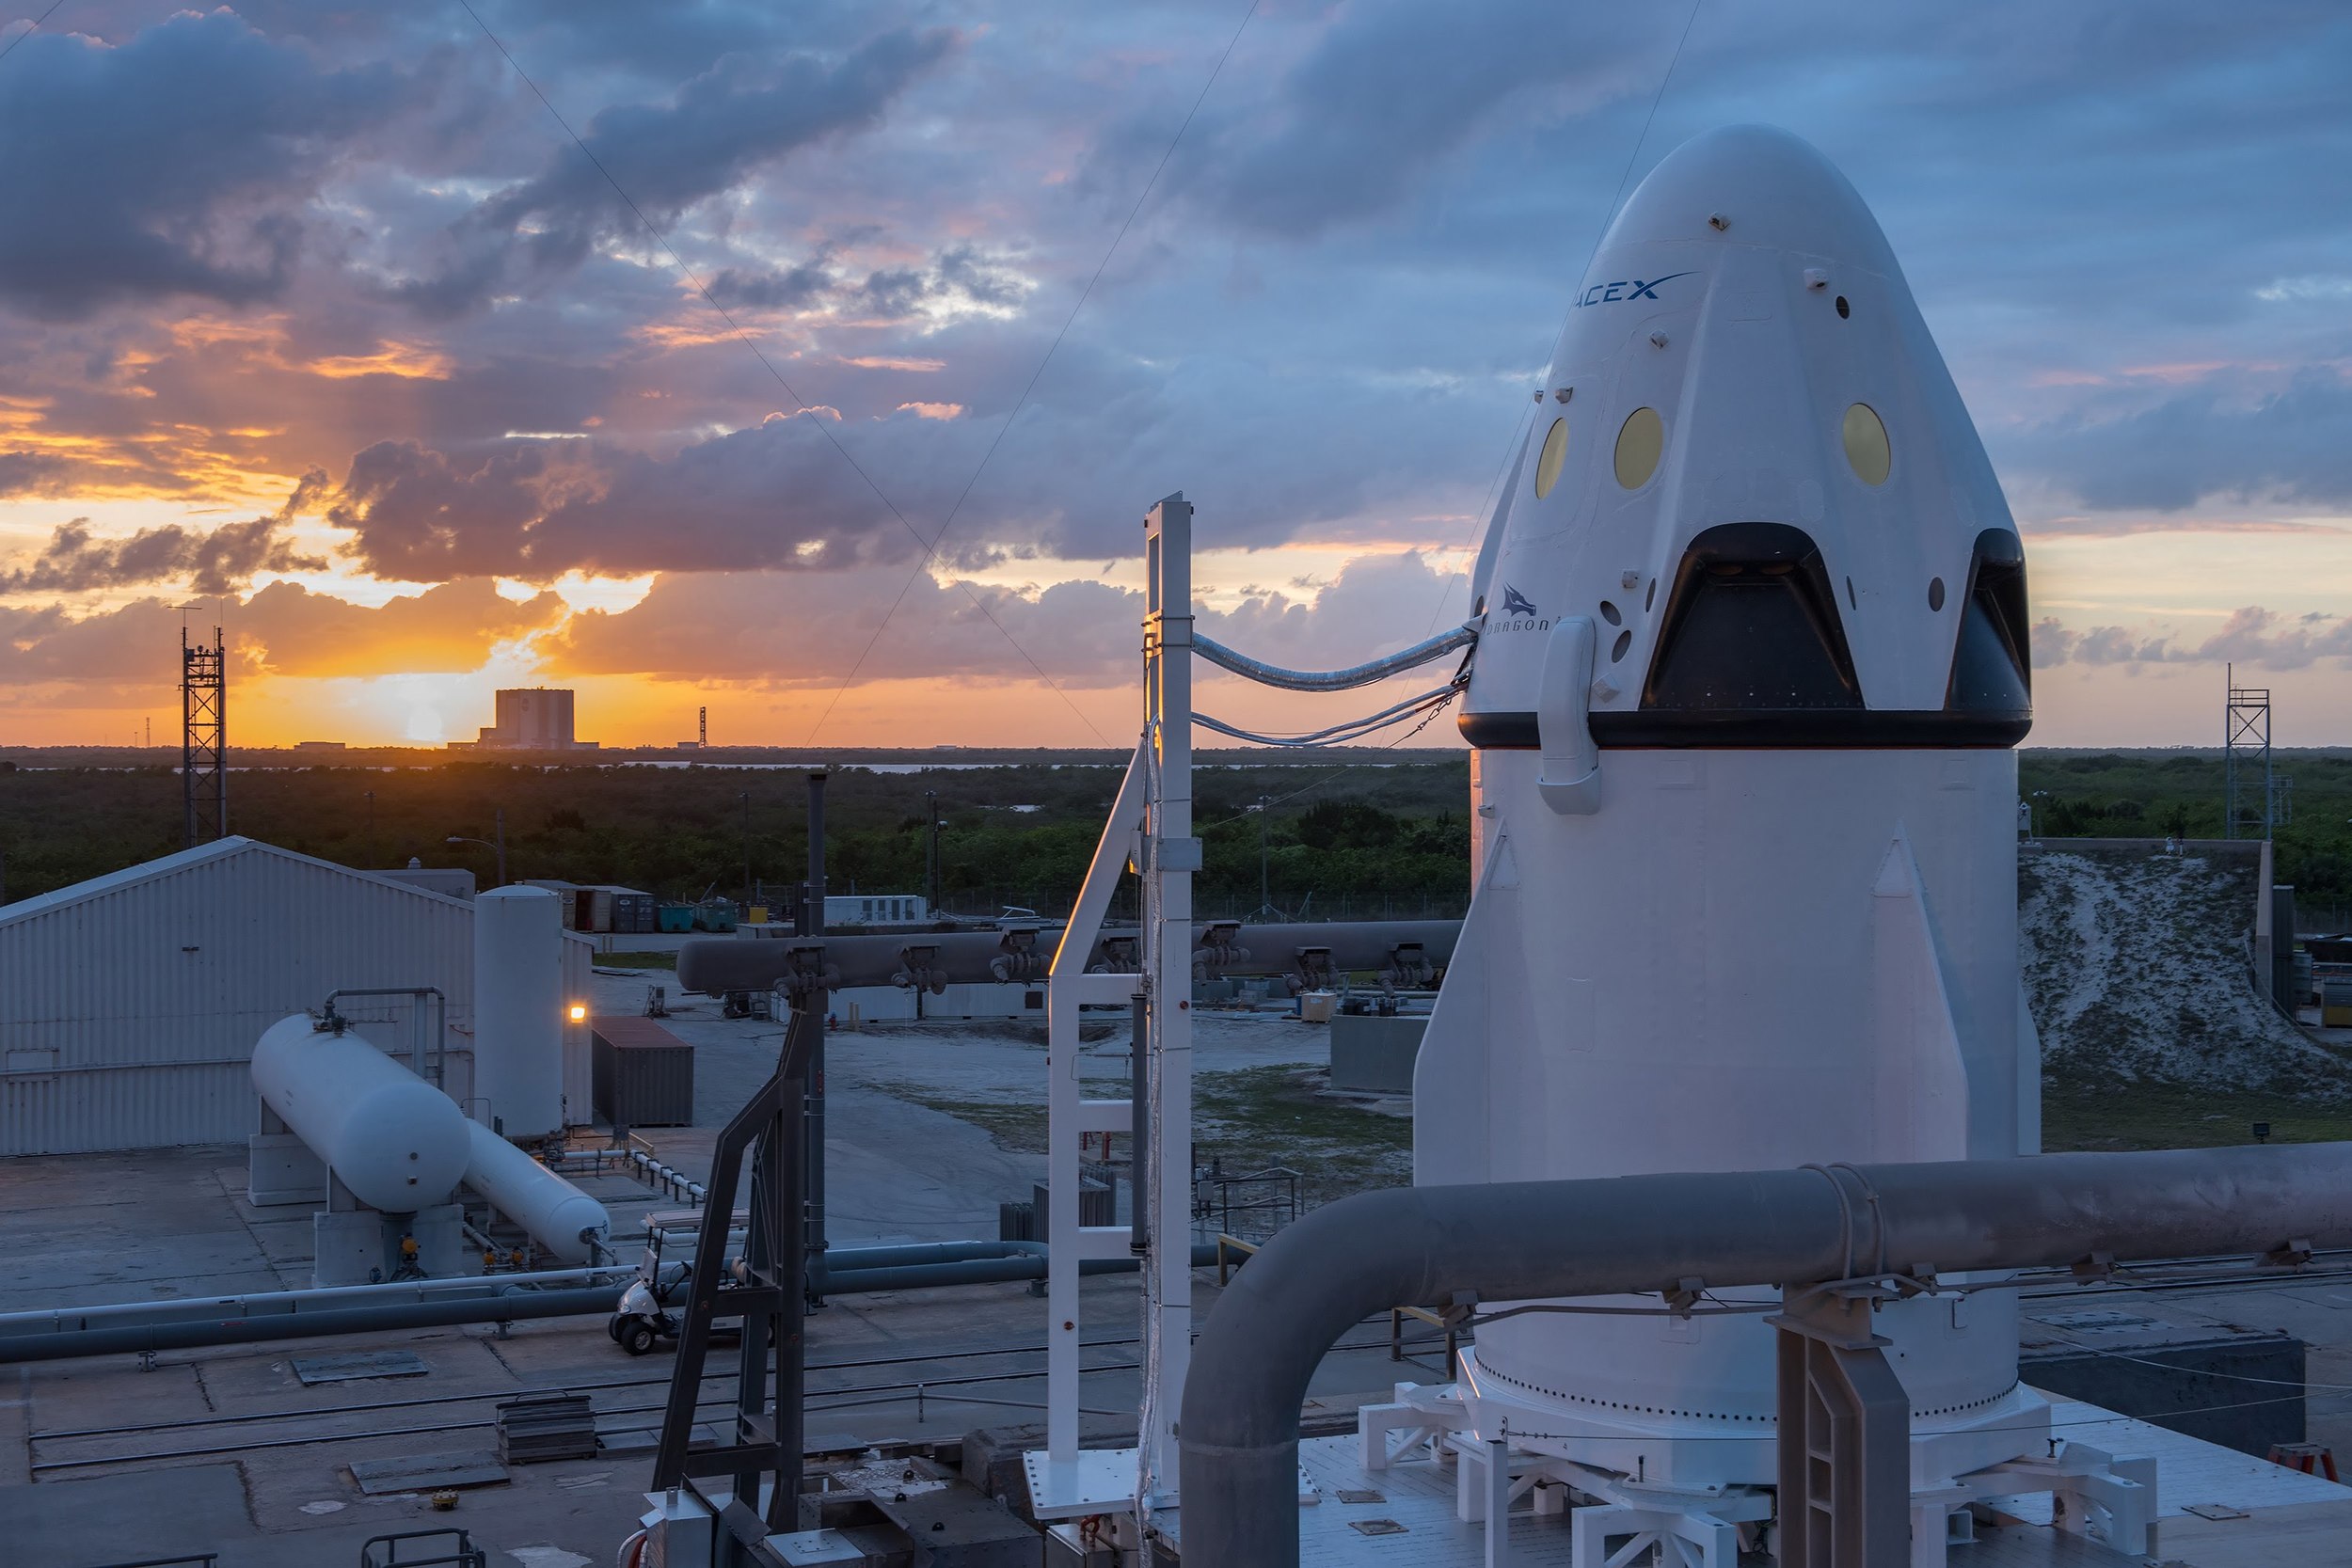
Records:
x=1619, y=1517
x=1099, y=1480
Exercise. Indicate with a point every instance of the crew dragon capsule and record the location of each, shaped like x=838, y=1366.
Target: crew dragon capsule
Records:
x=1752, y=667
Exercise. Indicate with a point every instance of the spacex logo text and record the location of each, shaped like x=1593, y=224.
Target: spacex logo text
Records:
x=1630, y=287
x=1519, y=612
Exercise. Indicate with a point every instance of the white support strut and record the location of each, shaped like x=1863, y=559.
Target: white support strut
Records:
x=1172, y=854
x=1066, y=1114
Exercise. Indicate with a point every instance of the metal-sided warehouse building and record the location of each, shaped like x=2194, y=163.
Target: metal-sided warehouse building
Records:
x=130, y=1003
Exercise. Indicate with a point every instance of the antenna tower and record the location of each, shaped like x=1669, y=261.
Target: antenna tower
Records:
x=703, y=726
x=204, y=738
x=2250, y=793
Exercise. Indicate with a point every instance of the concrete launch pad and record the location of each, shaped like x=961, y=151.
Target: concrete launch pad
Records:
x=2247, y=1511
x=280, y=1491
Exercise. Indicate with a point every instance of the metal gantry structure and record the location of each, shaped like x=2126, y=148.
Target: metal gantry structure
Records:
x=759, y=1455
x=2249, y=791
x=1150, y=827
x=204, y=738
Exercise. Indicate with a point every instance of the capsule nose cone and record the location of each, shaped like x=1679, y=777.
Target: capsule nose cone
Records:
x=1753, y=185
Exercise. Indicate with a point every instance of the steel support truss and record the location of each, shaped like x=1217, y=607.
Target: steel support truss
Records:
x=761, y=1450
x=204, y=739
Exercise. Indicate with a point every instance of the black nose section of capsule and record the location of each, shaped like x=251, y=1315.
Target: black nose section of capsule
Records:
x=1751, y=625
x=1752, y=653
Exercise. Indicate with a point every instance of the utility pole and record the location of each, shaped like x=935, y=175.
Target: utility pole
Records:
x=745, y=797
x=813, y=930
x=499, y=844
x=1266, y=896
x=931, y=856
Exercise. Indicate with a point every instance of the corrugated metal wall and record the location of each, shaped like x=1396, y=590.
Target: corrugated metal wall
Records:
x=173, y=977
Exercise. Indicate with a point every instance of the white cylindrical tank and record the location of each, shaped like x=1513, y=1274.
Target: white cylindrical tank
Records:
x=558, y=1215
x=394, y=1140
x=518, y=1011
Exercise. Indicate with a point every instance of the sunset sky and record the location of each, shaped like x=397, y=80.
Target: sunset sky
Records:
x=315, y=319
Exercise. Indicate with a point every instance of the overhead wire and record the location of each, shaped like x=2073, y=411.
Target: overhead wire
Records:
x=31, y=30
x=1084, y=295
x=1624, y=177
x=769, y=365
x=1352, y=729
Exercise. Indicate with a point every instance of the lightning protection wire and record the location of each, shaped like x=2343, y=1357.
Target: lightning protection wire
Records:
x=31, y=30
x=769, y=366
x=1051, y=349
x=1623, y=179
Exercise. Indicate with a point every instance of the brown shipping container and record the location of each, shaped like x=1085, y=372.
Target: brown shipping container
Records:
x=645, y=1075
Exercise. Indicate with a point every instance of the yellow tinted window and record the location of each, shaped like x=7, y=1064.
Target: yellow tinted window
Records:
x=1556, y=454
x=1866, y=444
x=1640, y=443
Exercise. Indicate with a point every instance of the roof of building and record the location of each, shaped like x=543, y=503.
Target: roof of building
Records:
x=217, y=852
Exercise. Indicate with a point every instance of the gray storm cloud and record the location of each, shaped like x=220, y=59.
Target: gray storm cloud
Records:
x=218, y=560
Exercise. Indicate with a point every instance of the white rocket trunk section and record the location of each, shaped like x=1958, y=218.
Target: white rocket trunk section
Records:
x=518, y=1011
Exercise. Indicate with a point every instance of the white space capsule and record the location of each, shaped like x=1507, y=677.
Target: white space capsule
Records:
x=1752, y=664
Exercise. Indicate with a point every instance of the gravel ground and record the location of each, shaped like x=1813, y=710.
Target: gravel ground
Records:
x=2137, y=971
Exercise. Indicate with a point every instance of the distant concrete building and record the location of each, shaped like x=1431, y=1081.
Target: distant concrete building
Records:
x=454, y=881
x=130, y=1003
x=533, y=718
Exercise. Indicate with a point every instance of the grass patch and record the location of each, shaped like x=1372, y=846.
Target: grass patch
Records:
x=636, y=960
x=1016, y=1124
x=2153, y=1116
x=1272, y=1116
x=1249, y=1119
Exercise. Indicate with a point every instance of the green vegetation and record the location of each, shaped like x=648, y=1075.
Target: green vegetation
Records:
x=2150, y=794
x=2110, y=1115
x=1342, y=839
x=1254, y=1117
x=1359, y=835
x=1248, y=1120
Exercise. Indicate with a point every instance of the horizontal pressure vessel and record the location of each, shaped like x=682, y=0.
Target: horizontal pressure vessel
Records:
x=556, y=1214
x=394, y=1140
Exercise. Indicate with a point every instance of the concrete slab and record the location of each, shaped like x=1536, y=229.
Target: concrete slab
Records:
x=118, y=1518
x=427, y=1472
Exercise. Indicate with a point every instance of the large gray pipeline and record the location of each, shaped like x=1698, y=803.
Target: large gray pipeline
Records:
x=122, y=1340
x=1316, y=952
x=117, y=1330
x=1439, y=1246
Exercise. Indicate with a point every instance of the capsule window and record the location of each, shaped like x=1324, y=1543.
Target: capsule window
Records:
x=1555, y=455
x=1866, y=443
x=1640, y=443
